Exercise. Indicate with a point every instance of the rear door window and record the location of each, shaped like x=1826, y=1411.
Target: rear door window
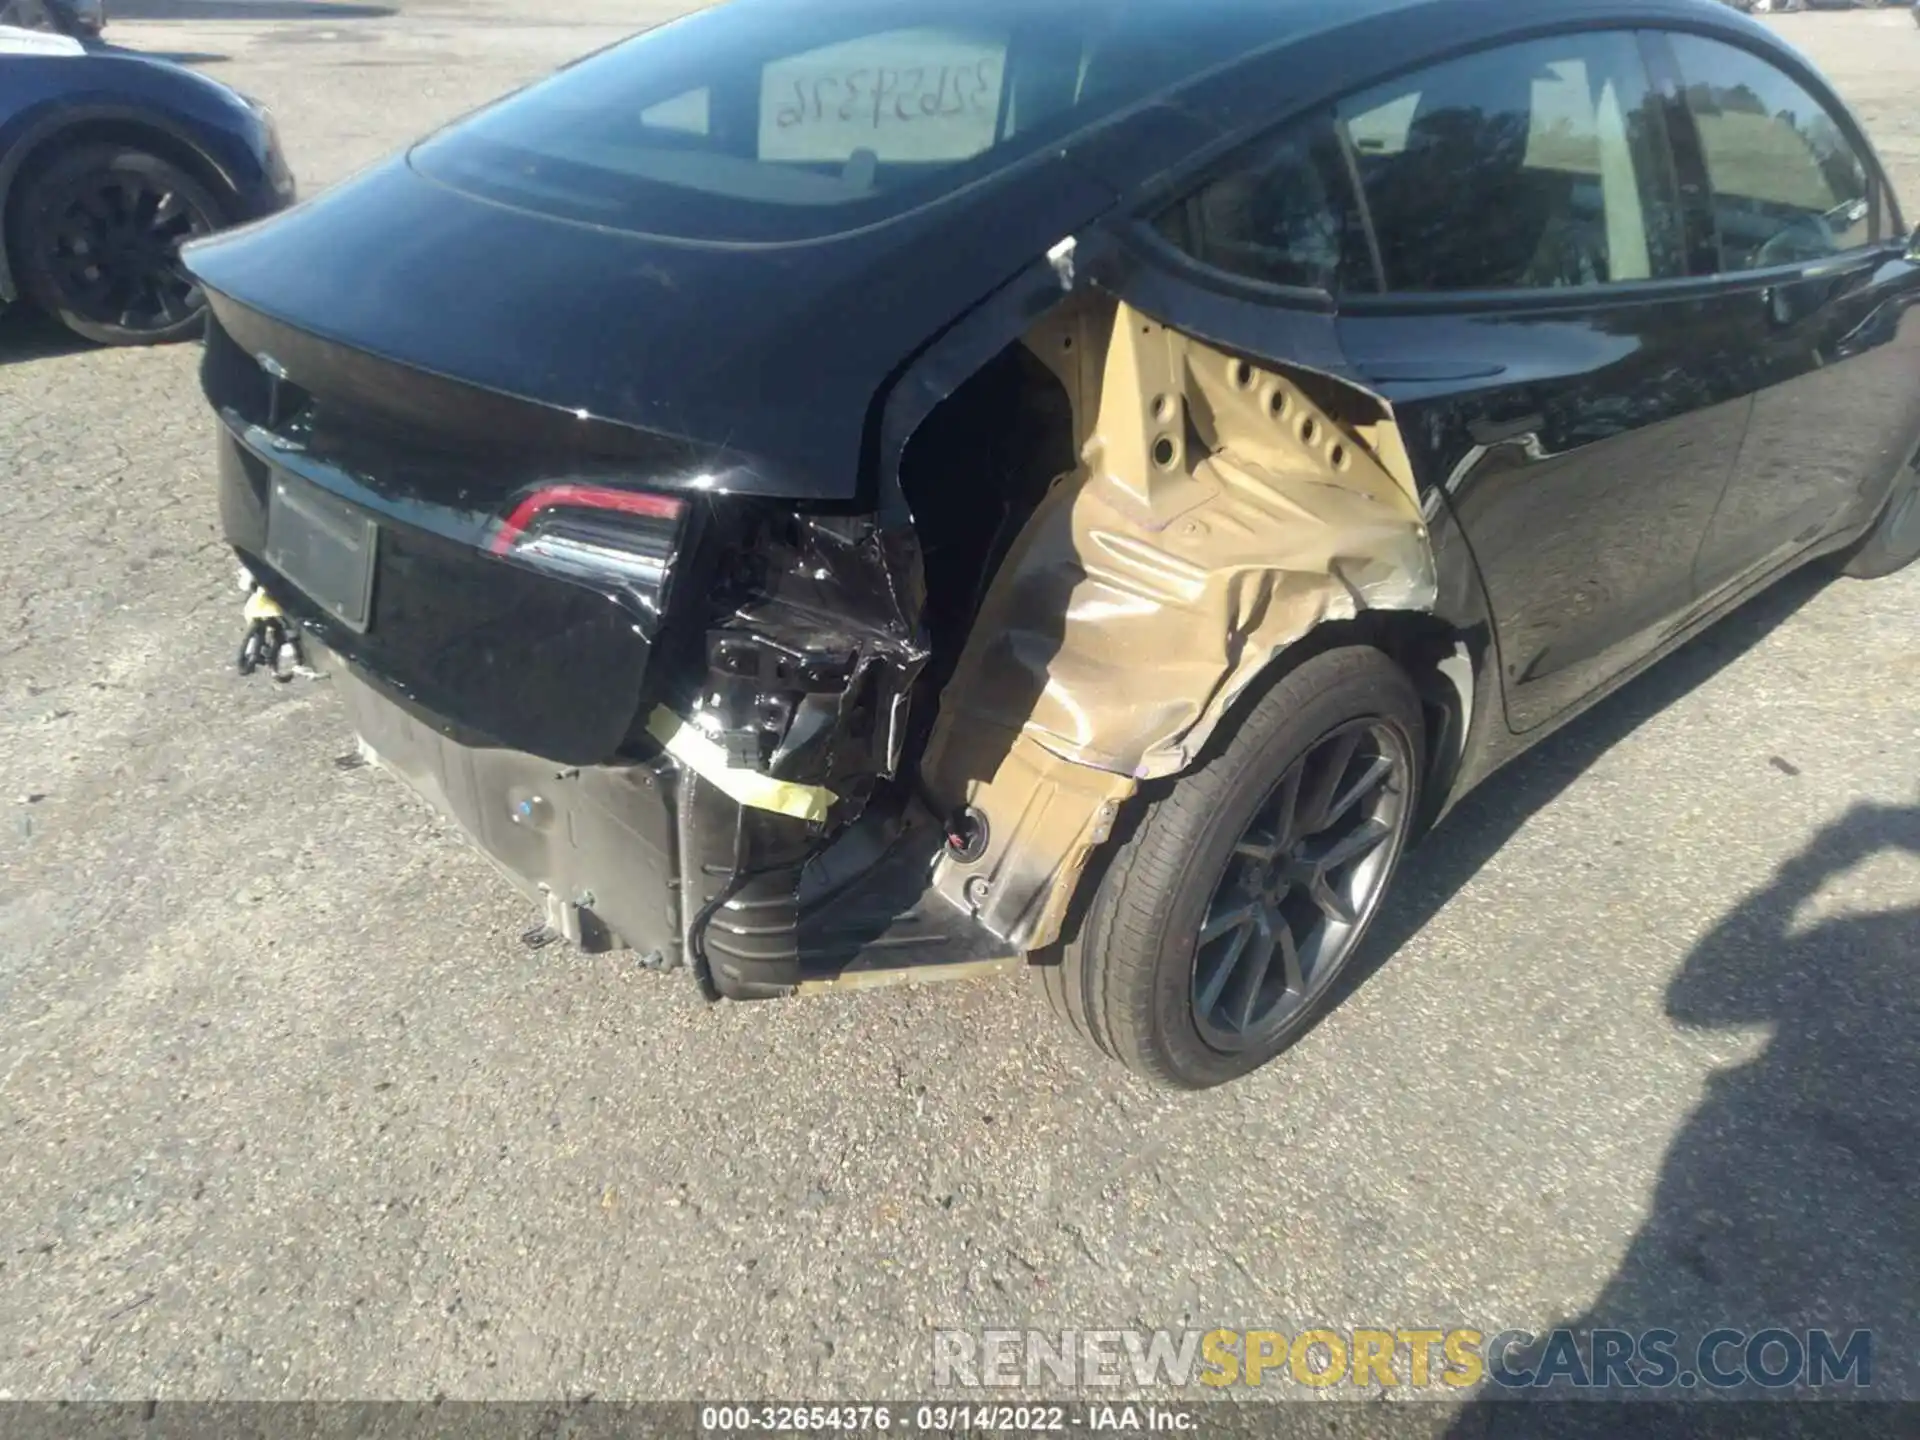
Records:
x=1282, y=213
x=1788, y=186
x=1538, y=165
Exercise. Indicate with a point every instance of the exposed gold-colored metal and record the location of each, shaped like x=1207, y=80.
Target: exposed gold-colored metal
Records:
x=1217, y=516
x=1049, y=815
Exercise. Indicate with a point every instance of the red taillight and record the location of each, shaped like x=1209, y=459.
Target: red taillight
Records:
x=582, y=497
x=620, y=540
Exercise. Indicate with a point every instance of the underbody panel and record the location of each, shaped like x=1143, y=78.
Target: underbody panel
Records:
x=595, y=846
x=601, y=848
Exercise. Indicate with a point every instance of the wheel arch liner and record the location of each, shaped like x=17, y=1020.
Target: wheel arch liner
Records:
x=1222, y=509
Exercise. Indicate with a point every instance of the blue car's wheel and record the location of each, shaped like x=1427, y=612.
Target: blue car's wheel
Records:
x=96, y=237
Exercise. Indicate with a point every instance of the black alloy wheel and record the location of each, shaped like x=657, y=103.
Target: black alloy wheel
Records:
x=97, y=236
x=1303, y=881
x=1237, y=894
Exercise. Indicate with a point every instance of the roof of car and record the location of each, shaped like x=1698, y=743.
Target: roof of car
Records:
x=1283, y=19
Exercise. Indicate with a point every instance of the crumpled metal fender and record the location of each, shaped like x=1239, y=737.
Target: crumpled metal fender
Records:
x=1217, y=516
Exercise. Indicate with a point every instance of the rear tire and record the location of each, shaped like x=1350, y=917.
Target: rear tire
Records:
x=95, y=237
x=1894, y=542
x=1141, y=981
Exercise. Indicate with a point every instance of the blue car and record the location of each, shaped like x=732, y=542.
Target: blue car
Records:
x=109, y=162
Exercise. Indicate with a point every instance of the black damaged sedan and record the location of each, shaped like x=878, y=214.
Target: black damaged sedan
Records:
x=839, y=492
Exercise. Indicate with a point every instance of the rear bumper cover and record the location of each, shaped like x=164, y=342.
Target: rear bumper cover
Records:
x=594, y=845
x=525, y=661
x=627, y=855
x=518, y=705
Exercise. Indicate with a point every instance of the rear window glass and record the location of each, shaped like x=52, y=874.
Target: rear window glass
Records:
x=773, y=120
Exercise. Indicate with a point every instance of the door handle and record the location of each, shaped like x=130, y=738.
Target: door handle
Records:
x=1778, y=303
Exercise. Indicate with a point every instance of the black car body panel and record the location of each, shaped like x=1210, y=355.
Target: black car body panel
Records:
x=1599, y=451
x=1830, y=356
x=747, y=350
x=773, y=348
x=48, y=100
x=464, y=635
x=596, y=847
x=797, y=738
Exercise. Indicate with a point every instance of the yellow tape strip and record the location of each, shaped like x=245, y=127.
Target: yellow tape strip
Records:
x=749, y=787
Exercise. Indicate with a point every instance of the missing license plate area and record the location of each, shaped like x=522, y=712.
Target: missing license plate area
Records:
x=324, y=546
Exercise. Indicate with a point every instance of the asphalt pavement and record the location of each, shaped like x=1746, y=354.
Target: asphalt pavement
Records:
x=288, y=1110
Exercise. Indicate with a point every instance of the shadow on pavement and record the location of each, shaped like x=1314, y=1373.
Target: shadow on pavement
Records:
x=28, y=335
x=243, y=10
x=1442, y=864
x=1791, y=1198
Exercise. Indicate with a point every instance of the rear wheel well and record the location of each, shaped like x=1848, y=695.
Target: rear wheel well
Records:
x=985, y=458
x=972, y=474
x=1420, y=644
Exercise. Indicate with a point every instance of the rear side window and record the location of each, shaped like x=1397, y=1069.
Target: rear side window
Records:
x=1529, y=166
x=767, y=120
x=1283, y=213
x=1788, y=185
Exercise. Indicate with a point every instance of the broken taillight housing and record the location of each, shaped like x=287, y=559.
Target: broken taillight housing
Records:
x=624, y=541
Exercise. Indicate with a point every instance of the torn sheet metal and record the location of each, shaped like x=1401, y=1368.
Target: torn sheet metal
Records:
x=1217, y=516
x=811, y=655
x=1045, y=817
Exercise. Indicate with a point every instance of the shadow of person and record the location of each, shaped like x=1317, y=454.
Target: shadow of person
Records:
x=1791, y=1198
x=1492, y=814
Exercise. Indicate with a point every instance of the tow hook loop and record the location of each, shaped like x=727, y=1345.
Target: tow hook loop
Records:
x=270, y=641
